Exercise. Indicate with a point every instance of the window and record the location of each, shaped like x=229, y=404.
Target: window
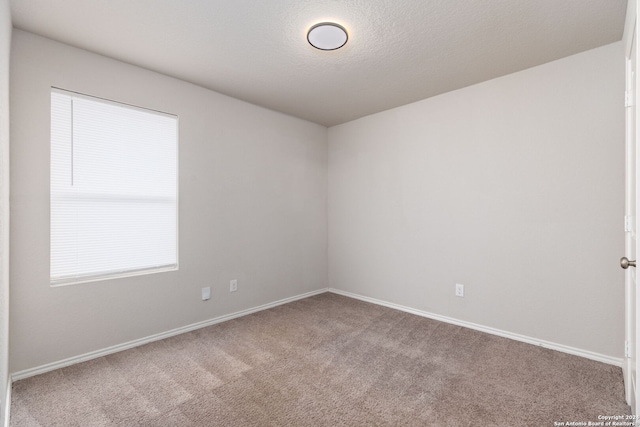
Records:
x=113, y=189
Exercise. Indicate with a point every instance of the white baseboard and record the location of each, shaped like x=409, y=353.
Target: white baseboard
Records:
x=135, y=343
x=7, y=405
x=523, y=338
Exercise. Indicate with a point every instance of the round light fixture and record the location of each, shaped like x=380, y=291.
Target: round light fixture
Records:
x=327, y=36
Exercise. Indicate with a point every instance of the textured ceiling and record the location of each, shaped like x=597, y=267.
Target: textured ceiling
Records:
x=399, y=51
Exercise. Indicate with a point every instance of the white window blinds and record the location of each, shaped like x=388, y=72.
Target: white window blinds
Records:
x=113, y=189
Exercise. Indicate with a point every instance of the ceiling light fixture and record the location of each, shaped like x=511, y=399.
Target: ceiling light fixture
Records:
x=327, y=36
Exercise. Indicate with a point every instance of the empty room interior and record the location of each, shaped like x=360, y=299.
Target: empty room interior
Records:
x=317, y=213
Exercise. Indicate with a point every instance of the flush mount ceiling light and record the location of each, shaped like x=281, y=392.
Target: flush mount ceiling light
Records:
x=327, y=36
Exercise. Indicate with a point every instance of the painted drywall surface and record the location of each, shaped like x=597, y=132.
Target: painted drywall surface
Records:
x=252, y=196
x=5, y=46
x=513, y=187
x=398, y=51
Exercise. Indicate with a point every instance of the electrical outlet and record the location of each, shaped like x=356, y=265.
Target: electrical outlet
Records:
x=459, y=290
x=233, y=285
x=206, y=293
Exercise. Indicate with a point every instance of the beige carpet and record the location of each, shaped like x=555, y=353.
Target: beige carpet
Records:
x=324, y=361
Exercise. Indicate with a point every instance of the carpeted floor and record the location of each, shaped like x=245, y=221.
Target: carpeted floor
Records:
x=327, y=360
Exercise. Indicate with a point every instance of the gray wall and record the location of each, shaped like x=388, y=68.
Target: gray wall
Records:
x=253, y=189
x=5, y=45
x=513, y=187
